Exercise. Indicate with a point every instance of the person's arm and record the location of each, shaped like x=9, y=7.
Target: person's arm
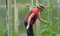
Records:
x=42, y=20
x=29, y=19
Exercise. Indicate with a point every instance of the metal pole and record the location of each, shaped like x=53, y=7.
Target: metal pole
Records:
x=37, y=22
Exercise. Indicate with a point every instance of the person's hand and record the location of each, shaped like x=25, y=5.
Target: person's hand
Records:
x=27, y=27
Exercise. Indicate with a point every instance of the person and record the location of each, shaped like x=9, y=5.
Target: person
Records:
x=31, y=17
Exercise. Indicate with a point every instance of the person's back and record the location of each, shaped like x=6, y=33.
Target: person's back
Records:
x=35, y=11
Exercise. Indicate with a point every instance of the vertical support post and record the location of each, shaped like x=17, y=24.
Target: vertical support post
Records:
x=31, y=4
x=37, y=1
x=9, y=18
x=37, y=23
x=58, y=14
x=16, y=17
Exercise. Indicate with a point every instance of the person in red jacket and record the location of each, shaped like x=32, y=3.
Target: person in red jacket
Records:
x=31, y=17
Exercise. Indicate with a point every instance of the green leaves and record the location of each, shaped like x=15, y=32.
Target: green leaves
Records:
x=48, y=30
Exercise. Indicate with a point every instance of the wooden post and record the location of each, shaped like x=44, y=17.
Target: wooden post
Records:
x=16, y=17
x=58, y=14
x=9, y=18
x=37, y=22
x=31, y=4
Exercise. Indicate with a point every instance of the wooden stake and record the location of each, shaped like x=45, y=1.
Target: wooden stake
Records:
x=37, y=23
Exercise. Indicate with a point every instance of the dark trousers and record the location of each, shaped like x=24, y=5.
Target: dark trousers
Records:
x=30, y=30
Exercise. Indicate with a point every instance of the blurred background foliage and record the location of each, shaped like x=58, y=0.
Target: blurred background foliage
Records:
x=50, y=13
